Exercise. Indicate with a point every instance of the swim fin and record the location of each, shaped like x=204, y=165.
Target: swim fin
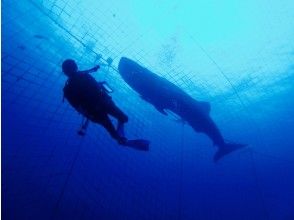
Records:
x=226, y=149
x=138, y=144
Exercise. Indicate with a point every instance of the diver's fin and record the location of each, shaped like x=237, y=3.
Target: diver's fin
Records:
x=226, y=149
x=138, y=144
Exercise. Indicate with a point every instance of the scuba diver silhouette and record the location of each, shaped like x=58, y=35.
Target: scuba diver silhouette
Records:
x=91, y=99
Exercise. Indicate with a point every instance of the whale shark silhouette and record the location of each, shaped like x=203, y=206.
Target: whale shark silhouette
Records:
x=164, y=95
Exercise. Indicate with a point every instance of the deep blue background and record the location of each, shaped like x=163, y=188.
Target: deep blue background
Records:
x=238, y=56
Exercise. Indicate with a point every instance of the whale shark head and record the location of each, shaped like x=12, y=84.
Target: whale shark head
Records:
x=128, y=69
x=133, y=74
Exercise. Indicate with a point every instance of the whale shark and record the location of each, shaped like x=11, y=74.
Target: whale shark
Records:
x=166, y=96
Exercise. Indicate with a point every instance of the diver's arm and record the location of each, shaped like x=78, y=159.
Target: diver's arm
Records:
x=94, y=69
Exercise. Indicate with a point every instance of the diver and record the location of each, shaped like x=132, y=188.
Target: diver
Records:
x=91, y=99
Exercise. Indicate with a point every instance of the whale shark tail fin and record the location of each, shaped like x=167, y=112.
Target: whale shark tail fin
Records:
x=227, y=149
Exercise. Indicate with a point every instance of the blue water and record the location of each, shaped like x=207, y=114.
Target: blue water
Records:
x=237, y=55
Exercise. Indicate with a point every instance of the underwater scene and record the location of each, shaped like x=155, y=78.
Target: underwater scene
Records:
x=147, y=109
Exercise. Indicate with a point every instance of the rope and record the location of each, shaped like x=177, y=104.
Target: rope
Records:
x=273, y=157
x=258, y=186
x=66, y=30
x=180, y=196
x=65, y=185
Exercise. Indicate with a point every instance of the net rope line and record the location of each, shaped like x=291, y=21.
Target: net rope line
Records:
x=83, y=44
x=269, y=156
x=64, y=29
x=180, y=196
x=66, y=182
x=258, y=186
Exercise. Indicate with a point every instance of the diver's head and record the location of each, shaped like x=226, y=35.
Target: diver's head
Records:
x=69, y=67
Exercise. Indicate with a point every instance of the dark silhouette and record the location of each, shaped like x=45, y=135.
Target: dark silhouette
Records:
x=164, y=95
x=91, y=99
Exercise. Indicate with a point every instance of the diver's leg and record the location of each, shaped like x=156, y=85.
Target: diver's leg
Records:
x=84, y=126
x=120, y=128
x=107, y=124
x=119, y=115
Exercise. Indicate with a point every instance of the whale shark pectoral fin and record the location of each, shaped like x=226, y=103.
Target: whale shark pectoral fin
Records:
x=161, y=110
x=144, y=98
x=158, y=108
